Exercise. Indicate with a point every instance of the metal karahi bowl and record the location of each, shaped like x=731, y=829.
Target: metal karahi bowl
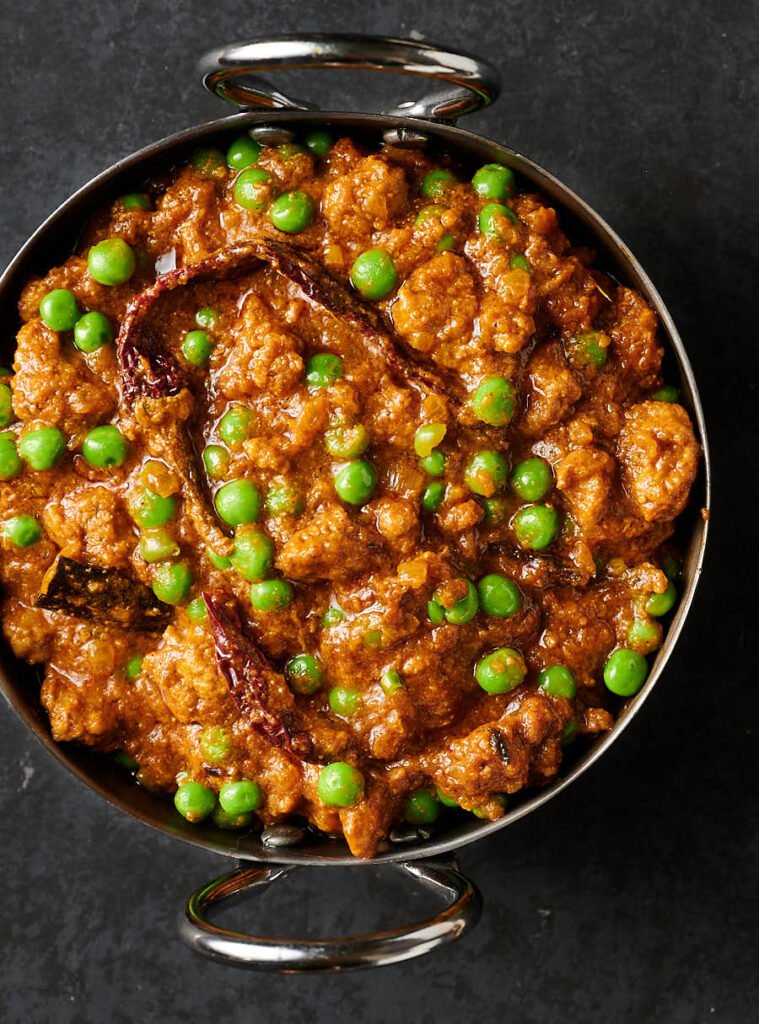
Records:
x=266, y=113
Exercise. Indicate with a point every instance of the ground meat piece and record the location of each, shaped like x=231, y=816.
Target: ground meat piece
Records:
x=263, y=355
x=366, y=199
x=331, y=545
x=55, y=385
x=585, y=476
x=79, y=711
x=182, y=673
x=633, y=333
x=436, y=306
x=552, y=389
x=91, y=525
x=659, y=455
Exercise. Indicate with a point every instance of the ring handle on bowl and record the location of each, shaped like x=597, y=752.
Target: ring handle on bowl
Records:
x=473, y=83
x=324, y=955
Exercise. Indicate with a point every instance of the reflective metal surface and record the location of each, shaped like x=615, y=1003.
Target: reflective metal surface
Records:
x=53, y=242
x=474, y=83
x=318, y=955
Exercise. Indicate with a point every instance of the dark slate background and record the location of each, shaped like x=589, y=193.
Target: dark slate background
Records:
x=633, y=897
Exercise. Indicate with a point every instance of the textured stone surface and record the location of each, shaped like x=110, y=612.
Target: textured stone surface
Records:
x=633, y=896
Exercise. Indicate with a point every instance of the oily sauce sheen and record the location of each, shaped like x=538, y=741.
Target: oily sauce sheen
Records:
x=414, y=606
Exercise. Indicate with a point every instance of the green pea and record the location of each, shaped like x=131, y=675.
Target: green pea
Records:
x=531, y=479
x=133, y=666
x=436, y=612
x=373, y=274
x=670, y=567
x=234, y=426
x=197, y=347
x=481, y=812
x=194, y=801
x=105, y=447
x=271, y=595
x=625, y=672
x=569, y=733
x=428, y=437
x=332, y=616
x=436, y=184
x=347, y=442
x=284, y=501
x=491, y=219
x=10, y=463
x=221, y=562
x=659, y=604
x=494, y=181
x=518, y=261
x=253, y=556
x=232, y=822
x=496, y=511
x=125, y=760
x=372, y=638
x=668, y=393
x=465, y=608
x=421, y=808
x=251, y=189
x=323, y=369
x=149, y=509
x=499, y=596
x=486, y=472
x=136, y=201
x=446, y=801
x=23, y=531
x=292, y=212
x=216, y=460
x=238, y=502
x=588, y=350
x=445, y=242
x=111, y=262
x=344, y=701
x=304, y=674
x=501, y=671
x=536, y=526
x=214, y=744
x=6, y=405
x=319, y=142
x=558, y=681
x=240, y=797
x=207, y=317
x=158, y=546
x=4, y=371
x=172, y=582
x=434, y=463
x=243, y=152
x=206, y=159
x=494, y=401
x=391, y=682
x=355, y=482
x=434, y=210
x=196, y=610
x=42, y=448
x=59, y=310
x=288, y=150
x=340, y=784
x=432, y=496
x=92, y=331
x=645, y=634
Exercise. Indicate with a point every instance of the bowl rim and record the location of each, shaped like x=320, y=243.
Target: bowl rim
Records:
x=460, y=142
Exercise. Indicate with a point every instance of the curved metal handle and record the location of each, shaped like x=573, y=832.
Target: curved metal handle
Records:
x=343, y=954
x=474, y=82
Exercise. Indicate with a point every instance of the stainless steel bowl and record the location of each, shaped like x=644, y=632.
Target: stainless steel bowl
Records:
x=470, y=84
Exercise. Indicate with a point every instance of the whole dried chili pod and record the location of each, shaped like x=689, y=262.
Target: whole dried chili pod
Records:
x=245, y=669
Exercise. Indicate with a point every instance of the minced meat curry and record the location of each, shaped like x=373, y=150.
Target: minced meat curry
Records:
x=338, y=484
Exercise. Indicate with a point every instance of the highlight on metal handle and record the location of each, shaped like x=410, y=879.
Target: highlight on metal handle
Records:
x=323, y=955
x=473, y=83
